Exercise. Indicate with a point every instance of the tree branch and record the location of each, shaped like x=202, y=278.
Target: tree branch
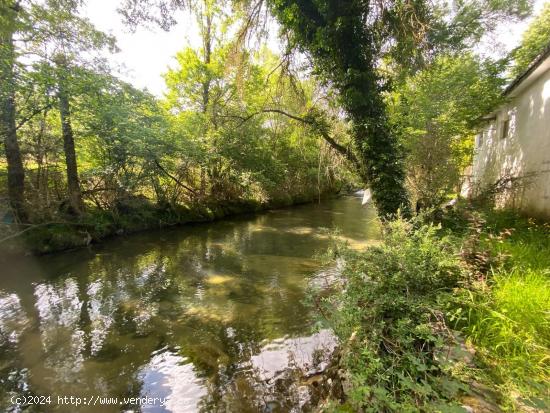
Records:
x=316, y=126
x=32, y=115
x=176, y=180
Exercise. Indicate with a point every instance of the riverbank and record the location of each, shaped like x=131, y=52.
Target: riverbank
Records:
x=134, y=216
x=446, y=317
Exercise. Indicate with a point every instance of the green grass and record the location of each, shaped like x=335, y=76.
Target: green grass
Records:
x=507, y=314
x=400, y=298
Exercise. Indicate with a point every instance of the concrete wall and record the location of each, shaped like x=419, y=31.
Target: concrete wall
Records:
x=524, y=151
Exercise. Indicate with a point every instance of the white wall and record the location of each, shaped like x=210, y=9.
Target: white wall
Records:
x=525, y=151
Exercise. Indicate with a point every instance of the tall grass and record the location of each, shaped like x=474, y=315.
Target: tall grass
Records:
x=508, y=314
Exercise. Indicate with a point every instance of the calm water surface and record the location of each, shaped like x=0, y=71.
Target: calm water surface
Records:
x=206, y=317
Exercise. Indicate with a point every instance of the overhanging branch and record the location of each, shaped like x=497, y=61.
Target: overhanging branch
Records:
x=316, y=126
x=176, y=180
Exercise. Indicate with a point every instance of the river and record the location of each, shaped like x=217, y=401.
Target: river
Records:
x=208, y=317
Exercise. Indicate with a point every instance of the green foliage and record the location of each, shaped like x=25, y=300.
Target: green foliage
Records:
x=534, y=41
x=389, y=319
x=402, y=297
x=345, y=50
x=348, y=41
x=435, y=112
x=209, y=141
x=506, y=314
x=232, y=138
x=461, y=24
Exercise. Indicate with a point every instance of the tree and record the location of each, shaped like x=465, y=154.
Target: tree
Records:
x=534, y=41
x=342, y=39
x=435, y=112
x=359, y=48
x=73, y=184
x=123, y=133
x=9, y=25
x=63, y=39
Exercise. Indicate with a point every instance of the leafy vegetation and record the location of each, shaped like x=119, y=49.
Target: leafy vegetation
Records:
x=534, y=41
x=433, y=311
x=505, y=313
x=390, y=319
x=239, y=122
x=382, y=94
x=82, y=144
x=435, y=112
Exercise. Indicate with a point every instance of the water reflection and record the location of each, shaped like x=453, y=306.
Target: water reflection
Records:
x=173, y=379
x=210, y=317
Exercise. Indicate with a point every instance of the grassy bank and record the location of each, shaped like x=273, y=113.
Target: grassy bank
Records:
x=446, y=317
x=130, y=217
x=505, y=313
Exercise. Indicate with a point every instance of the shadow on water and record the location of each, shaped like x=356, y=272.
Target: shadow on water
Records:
x=207, y=318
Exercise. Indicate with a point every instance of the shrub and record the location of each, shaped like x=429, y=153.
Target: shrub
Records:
x=389, y=320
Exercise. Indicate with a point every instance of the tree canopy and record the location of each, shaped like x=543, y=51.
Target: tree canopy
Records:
x=357, y=96
x=535, y=40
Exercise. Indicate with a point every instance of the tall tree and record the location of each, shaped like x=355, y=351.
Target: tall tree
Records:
x=65, y=40
x=9, y=11
x=342, y=41
x=73, y=184
x=359, y=46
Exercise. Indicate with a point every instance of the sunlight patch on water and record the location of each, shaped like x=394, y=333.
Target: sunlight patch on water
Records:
x=13, y=319
x=309, y=354
x=211, y=313
x=300, y=230
x=218, y=279
x=213, y=296
x=170, y=376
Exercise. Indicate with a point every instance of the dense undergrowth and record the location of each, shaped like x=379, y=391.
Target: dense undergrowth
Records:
x=438, y=317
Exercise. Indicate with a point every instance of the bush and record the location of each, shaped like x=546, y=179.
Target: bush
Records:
x=388, y=315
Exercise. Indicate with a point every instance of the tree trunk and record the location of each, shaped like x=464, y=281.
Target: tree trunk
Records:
x=207, y=50
x=206, y=32
x=8, y=129
x=73, y=184
x=344, y=48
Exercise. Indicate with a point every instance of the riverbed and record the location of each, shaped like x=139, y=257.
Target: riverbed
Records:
x=201, y=318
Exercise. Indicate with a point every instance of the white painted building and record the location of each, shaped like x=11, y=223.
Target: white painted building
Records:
x=515, y=143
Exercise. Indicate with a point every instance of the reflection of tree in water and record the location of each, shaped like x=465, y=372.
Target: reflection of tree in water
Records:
x=13, y=375
x=274, y=378
x=59, y=311
x=200, y=304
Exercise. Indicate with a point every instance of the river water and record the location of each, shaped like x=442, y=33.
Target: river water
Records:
x=209, y=317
